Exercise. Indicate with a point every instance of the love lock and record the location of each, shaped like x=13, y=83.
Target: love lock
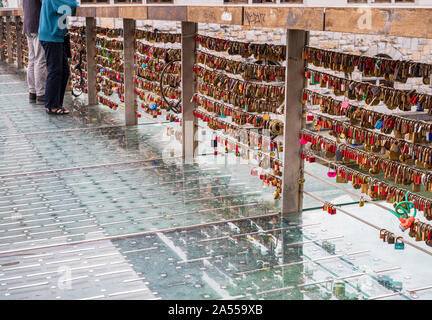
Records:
x=406, y=223
x=301, y=181
x=399, y=245
x=402, y=210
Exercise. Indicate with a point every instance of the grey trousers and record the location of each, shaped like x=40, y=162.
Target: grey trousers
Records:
x=36, y=70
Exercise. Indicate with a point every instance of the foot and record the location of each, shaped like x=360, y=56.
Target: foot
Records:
x=32, y=97
x=57, y=111
x=40, y=100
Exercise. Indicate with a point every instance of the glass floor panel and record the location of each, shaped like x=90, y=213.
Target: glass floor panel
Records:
x=90, y=209
x=227, y=260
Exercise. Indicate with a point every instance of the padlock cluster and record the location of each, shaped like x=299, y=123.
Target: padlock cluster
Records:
x=242, y=145
x=110, y=67
x=15, y=30
x=380, y=153
x=259, y=51
x=371, y=94
x=13, y=35
x=421, y=231
x=150, y=59
x=4, y=44
x=153, y=52
x=269, y=180
x=269, y=169
x=389, y=283
x=257, y=96
x=24, y=46
x=242, y=100
x=329, y=208
x=78, y=61
x=391, y=238
x=377, y=189
x=308, y=158
x=389, y=69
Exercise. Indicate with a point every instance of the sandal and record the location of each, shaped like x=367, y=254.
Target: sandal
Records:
x=57, y=111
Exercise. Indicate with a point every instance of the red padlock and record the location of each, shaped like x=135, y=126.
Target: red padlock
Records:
x=406, y=223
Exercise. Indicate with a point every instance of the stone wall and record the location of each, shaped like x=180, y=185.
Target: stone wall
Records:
x=398, y=48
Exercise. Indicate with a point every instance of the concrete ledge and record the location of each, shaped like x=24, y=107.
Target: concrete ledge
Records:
x=401, y=21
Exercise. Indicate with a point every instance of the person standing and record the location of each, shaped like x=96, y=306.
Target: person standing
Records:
x=52, y=34
x=36, y=70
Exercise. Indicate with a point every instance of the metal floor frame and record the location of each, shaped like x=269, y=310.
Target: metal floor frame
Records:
x=94, y=210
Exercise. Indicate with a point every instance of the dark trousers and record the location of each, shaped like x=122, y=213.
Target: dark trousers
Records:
x=58, y=73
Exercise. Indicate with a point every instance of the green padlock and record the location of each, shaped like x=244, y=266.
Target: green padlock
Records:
x=399, y=245
x=339, y=289
x=397, y=285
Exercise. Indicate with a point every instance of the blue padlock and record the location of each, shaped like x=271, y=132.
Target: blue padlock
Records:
x=399, y=245
x=428, y=136
x=339, y=156
x=153, y=107
x=419, y=106
x=397, y=286
x=378, y=124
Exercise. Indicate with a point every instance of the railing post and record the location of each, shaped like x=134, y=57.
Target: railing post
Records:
x=188, y=32
x=91, y=63
x=9, y=40
x=129, y=60
x=19, y=36
x=2, y=39
x=292, y=190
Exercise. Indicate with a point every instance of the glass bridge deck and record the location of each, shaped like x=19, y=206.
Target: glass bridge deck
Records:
x=90, y=209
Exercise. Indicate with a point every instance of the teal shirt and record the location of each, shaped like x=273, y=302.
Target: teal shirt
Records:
x=52, y=22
